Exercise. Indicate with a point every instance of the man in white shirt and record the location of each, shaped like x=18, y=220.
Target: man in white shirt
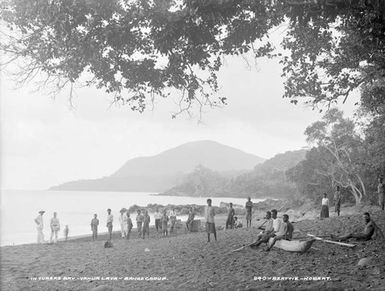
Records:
x=39, y=227
x=110, y=220
x=123, y=222
x=55, y=227
x=210, y=224
x=276, y=222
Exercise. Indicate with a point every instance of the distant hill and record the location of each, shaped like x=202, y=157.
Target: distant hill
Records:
x=163, y=171
x=265, y=180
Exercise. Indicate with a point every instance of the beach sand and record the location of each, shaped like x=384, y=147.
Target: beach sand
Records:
x=187, y=262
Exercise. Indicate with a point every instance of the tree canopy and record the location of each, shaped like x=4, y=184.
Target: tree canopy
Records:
x=143, y=49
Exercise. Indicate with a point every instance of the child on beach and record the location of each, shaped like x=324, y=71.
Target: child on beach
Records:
x=164, y=223
x=210, y=225
x=66, y=232
x=110, y=219
x=146, y=224
x=139, y=223
x=129, y=225
x=55, y=227
x=94, y=227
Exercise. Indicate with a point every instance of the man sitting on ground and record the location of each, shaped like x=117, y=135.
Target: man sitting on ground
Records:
x=270, y=228
x=285, y=231
x=369, y=230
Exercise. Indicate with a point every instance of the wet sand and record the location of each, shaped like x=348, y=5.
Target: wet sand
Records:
x=186, y=261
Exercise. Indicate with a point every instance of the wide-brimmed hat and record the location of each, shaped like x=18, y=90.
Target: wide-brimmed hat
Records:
x=123, y=210
x=41, y=211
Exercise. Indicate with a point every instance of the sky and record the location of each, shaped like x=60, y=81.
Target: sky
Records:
x=45, y=141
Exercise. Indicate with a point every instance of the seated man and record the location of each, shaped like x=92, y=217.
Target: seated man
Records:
x=263, y=236
x=369, y=230
x=285, y=231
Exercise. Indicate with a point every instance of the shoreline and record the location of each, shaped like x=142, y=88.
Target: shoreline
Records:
x=187, y=261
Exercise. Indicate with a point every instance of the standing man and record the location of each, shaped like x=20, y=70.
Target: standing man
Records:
x=55, y=227
x=190, y=219
x=129, y=225
x=158, y=218
x=94, y=227
x=172, y=220
x=381, y=192
x=39, y=227
x=249, y=208
x=146, y=224
x=123, y=222
x=230, y=217
x=110, y=220
x=337, y=201
x=210, y=224
x=139, y=223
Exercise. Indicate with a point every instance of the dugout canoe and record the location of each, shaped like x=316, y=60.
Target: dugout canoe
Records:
x=293, y=245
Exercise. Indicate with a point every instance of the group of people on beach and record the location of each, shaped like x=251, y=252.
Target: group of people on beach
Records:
x=338, y=199
x=54, y=226
x=165, y=222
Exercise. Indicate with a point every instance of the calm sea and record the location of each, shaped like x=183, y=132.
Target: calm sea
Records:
x=76, y=209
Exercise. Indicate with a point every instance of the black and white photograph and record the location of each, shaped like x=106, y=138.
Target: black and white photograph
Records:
x=192, y=145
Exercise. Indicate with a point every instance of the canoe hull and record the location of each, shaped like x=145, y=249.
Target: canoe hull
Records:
x=293, y=245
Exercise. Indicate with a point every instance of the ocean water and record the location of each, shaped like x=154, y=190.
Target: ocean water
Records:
x=19, y=208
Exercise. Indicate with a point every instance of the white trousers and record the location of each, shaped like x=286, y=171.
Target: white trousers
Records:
x=40, y=235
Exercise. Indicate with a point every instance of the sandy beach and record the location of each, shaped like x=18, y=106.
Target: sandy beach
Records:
x=186, y=261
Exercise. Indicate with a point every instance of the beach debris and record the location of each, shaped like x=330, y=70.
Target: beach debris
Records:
x=108, y=244
x=146, y=249
x=332, y=242
x=365, y=262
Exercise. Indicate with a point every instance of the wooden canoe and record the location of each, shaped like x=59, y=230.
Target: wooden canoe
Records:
x=293, y=245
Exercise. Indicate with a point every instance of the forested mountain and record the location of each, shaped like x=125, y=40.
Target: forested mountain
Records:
x=163, y=171
x=266, y=180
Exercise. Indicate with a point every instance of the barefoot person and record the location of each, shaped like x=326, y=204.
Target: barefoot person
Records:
x=94, y=227
x=55, y=227
x=325, y=206
x=337, y=200
x=139, y=223
x=190, y=219
x=146, y=224
x=129, y=225
x=249, y=209
x=369, y=230
x=158, y=218
x=164, y=223
x=285, y=231
x=210, y=224
x=381, y=193
x=263, y=236
x=172, y=220
x=230, y=217
x=123, y=222
x=110, y=220
x=39, y=227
